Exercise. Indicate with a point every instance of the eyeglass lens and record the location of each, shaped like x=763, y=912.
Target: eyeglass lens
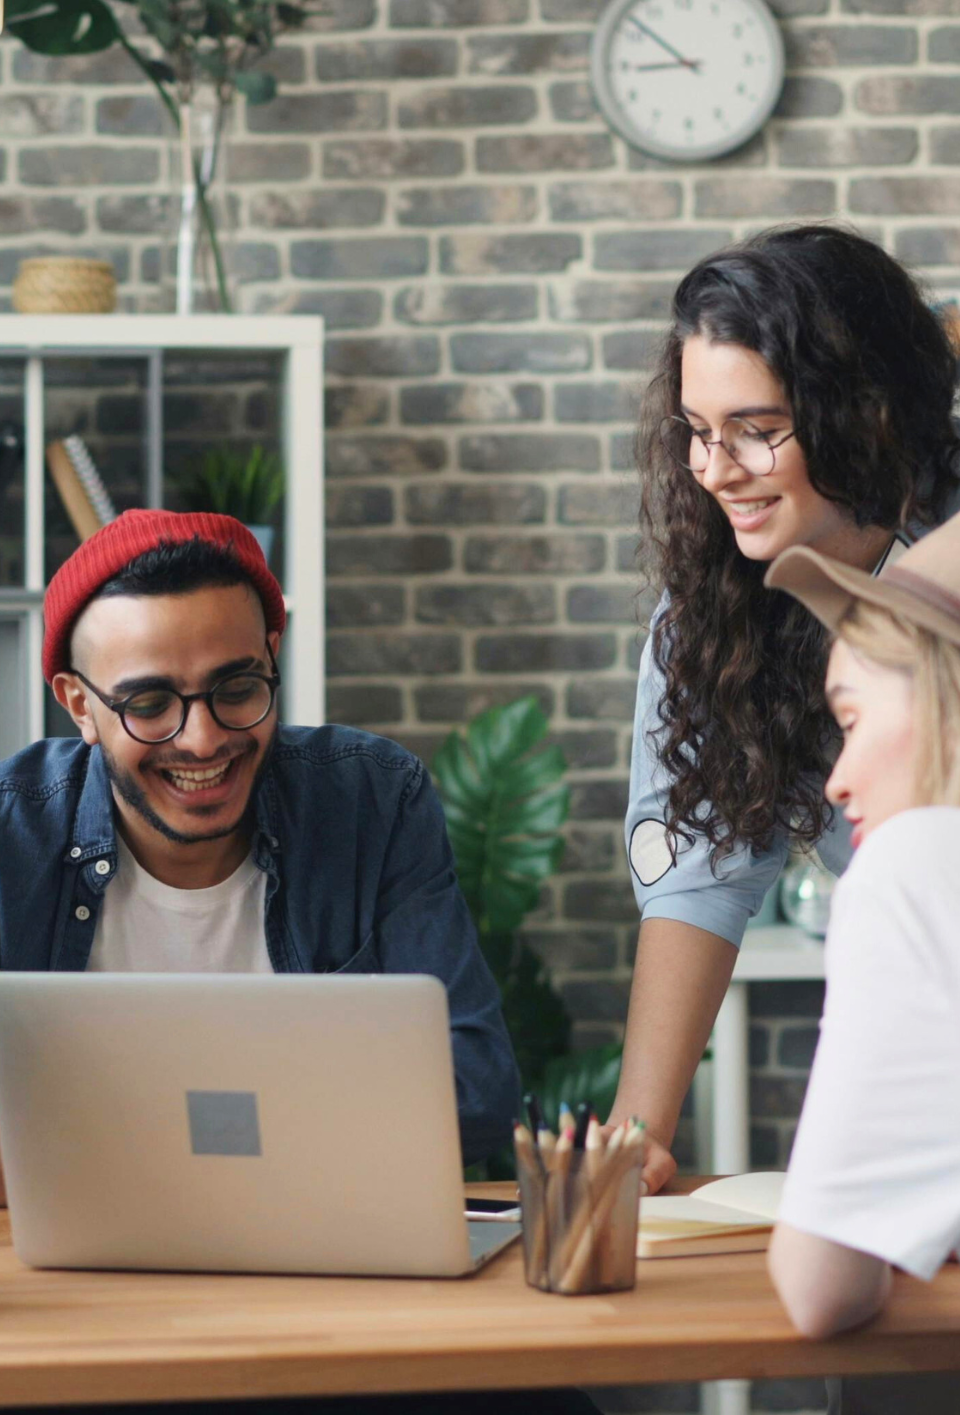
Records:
x=238, y=702
x=747, y=445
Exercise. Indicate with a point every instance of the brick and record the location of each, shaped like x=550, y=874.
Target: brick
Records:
x=383, y=456
x=388, y=555
x=530, y=452
x=884, y=94
x=732, y=197
x=797, y=1046
x=110, y=66
x=586, y=751
x=363, y=706
x=601, y=900
x=538, y=254
x=557, y=554
x=765, y=1154
x=134, y=215
x=358, y=506
x=463, y=504
x=267, y=162
x=591, y=505
x=572, y=101
x=571, y=12
x=381, y=159
x=901, y=7
x=544, y=653
x=132, y=115
x=467, y=107
x=347, y=110
x=401, y=356
x=22, y=214
x=358, y=405
x=637, y=251
x=623, y=451
x=929, y=245
x=785, y=1395
x=809, y=98
x=370, y=59
x=788, y=9
x=905, y=196
x=497, y=56
x=776, y=1097
x=254, y=260
x=456, y=14
x=573, y=950
x=632, y=349
x=797, y=999
x=759, y=1046
x=945, y=145
x=512, y=353
x=466, y=205
x=287, y=64
x=478, y=606
x=943, y=45
x=94, y=165
x=40, y=115
x=595, y=402
x=341, y=309
x=603, y=699
x=460, y=702
x=471, y=403
x=615, y=201
x=340, y=15
x=364, y=606
x=373, y=654
x=322, y=208
x=544, y=152
x=363, y=258
x=606, y=301
x=846, y=147
x=465, y=304
x=825, y=46
x=601, y=604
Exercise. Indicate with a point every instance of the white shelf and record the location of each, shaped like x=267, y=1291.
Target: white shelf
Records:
x=779, y=951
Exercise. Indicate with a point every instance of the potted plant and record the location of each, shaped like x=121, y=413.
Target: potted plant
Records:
x=210, y=50
x=246, y=485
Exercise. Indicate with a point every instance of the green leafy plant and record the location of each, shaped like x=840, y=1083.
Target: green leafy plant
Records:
x=505, y=803
x=211, y=43
x=245, y=485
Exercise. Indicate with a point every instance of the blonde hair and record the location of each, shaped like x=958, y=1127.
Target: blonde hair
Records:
x=934, y=665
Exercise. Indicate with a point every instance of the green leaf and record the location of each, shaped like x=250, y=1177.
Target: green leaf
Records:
x=522, y=778
x=64, y=26
x=537, y=814
x=584, y=1076
x=292, y=15
x=256, y=86
x=160, y=71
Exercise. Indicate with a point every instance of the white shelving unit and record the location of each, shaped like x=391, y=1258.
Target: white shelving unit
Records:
x=298, y=340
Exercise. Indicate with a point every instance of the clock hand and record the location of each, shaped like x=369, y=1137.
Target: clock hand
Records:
x=693, y=64
x=677, y=64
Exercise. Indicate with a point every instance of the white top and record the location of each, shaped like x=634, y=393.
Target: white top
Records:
x=148, y=927
x=876, y=1163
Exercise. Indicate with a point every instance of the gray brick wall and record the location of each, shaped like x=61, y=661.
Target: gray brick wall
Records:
x=494, y=267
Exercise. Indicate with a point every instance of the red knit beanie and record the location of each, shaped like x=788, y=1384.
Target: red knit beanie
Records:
x=113, y=547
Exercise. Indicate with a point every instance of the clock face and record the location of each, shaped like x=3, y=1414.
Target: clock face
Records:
x=687, y=79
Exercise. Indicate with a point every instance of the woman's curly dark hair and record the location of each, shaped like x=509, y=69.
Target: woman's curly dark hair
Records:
x=870, y=376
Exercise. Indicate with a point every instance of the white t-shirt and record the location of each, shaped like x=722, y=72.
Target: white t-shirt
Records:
x=148, y=927
x=876, y=1163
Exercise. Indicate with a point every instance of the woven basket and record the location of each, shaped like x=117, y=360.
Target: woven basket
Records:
x=64, y=285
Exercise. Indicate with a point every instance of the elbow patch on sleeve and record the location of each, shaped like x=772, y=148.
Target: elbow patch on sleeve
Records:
x=650, y=853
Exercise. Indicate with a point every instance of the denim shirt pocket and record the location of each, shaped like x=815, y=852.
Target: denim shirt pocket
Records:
x=365, y=960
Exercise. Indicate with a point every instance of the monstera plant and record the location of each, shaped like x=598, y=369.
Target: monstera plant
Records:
x=505, y=803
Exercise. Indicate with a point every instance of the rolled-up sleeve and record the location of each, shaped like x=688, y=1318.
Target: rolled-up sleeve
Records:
x=682, y=885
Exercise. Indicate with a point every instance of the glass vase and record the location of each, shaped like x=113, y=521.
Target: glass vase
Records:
x=198, y=272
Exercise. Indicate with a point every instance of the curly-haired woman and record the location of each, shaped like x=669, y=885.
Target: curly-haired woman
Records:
x=803, y=397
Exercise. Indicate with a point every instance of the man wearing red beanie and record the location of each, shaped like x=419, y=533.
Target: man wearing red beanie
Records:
x=187, y=831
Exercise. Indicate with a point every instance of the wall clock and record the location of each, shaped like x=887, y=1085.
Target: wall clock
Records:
x=687, y=80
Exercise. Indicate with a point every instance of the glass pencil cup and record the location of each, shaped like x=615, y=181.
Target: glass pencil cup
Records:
x=580, y=1222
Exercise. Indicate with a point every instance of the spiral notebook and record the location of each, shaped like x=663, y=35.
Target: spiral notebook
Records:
x=84, y=496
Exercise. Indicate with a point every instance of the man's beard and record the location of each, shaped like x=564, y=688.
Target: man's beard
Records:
x=130, y=791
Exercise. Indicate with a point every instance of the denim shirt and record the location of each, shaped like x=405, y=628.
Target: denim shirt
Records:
x=360, y=879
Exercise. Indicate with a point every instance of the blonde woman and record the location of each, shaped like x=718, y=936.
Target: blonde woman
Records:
x=874, y=1178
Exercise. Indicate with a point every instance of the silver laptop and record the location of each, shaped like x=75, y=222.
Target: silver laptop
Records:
x=202, y=1122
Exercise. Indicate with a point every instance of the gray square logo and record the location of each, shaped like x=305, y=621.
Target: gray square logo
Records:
x=223, y=1122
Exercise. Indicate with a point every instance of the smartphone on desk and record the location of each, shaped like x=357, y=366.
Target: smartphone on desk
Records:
x=494, y=1210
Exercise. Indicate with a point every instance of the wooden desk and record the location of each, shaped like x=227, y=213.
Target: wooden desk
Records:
x=84, y=1337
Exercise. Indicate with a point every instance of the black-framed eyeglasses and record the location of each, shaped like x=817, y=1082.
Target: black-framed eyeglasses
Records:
x=151, y=715
x=750, y=447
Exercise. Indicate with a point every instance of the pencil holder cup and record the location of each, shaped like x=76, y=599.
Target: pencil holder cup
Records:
x=580, y=1223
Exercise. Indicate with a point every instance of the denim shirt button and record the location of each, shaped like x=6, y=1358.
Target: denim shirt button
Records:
x=76, y=852
x=274, y=843
x=82, y=913
x=102, y=867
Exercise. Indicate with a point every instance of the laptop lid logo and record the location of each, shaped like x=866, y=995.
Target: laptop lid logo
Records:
x=223, y=1122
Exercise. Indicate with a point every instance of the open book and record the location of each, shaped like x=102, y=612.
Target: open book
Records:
x=733, y=1215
